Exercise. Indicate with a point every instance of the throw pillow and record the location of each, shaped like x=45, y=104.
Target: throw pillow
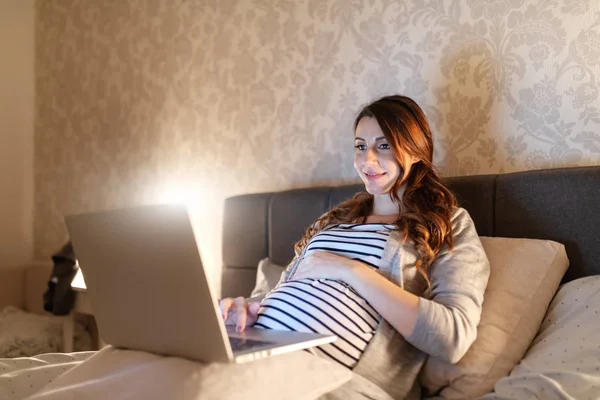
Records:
x=267, y=276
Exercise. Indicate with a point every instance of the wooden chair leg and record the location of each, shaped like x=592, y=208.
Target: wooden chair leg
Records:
x=67, y=331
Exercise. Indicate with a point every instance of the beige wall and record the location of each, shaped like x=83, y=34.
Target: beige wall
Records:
x=143, y=101
x=16, y=130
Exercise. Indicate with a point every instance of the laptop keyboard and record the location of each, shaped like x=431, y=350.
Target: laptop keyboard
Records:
x=241, y=344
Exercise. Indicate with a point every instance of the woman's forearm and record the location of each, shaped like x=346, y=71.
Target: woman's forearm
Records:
x=394, y=304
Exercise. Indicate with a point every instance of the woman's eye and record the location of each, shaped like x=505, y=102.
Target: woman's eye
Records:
x=360, y=147
x=384, y=146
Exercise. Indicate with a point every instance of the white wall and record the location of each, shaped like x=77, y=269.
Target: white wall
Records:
x=16, y=130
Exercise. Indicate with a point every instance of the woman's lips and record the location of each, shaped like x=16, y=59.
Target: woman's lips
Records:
x=374, y=177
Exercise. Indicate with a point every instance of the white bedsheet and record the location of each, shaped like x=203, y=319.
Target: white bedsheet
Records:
x=21, y=377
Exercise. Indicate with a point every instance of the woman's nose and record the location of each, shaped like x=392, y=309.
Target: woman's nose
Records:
x=370, y=157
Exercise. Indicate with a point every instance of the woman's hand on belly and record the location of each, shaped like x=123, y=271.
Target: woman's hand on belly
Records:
x=326, y=265
x=399, y=307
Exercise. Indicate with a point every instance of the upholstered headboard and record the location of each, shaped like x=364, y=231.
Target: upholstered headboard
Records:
x=558, y=204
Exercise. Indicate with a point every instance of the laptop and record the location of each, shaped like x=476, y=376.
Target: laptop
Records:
x=149, y=291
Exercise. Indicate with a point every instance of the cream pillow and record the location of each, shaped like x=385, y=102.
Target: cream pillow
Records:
x=267, y=277
x=524, y=276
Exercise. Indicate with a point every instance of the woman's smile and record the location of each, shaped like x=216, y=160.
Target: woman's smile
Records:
x=373, y=176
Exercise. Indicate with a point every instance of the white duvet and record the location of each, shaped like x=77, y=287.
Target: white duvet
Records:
x=125, y=374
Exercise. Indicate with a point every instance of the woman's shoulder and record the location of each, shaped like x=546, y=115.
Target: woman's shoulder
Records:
x=460, y=212
x=460, y=218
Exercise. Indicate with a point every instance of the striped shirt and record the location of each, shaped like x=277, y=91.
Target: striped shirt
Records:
x=327, y=306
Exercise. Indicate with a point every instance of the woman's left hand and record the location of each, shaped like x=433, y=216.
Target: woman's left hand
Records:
x=326, y=265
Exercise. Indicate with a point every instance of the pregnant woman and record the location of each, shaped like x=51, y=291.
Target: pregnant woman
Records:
x=397, y=272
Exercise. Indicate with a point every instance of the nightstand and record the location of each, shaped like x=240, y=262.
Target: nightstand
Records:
x=82, y=307
x=81, y=310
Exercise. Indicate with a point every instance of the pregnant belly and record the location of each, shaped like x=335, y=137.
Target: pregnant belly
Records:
x=322, y=306
x=317, y=305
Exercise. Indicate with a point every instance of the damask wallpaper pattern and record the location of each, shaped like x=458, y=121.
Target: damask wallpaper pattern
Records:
x=141, y=101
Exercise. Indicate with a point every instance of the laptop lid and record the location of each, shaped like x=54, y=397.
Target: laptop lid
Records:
x=146, y=282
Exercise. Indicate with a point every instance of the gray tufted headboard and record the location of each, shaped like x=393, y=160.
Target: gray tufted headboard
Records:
x=558, y=204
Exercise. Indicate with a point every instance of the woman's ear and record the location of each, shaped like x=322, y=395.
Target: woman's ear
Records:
x=407, y=164
x=413, y=160
x=409, y=161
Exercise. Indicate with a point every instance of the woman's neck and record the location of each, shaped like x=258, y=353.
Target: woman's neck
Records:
x=383, y=204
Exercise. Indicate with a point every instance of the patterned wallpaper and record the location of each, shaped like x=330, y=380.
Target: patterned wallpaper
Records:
x=142, y=101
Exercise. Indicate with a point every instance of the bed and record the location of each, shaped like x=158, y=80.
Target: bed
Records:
x=556, y=210
x=552, y=206
x=557, y=204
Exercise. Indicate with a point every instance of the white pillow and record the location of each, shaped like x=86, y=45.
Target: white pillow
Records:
x=267, y=277
x=119, y=374
x=564, y=360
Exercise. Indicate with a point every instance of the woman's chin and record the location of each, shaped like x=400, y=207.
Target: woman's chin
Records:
x=376, y=190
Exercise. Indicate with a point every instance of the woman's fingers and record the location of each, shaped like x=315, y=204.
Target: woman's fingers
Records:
x=253, y=308
x=241, y=307
x=225, y=305
x=252, y=313
x=238, y=312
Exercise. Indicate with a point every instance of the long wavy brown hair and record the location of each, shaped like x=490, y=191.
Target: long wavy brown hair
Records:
x=426, y=204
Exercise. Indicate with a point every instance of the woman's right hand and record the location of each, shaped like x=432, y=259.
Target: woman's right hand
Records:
x=239, y=312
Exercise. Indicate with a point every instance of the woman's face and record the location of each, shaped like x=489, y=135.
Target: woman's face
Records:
x=374, y=159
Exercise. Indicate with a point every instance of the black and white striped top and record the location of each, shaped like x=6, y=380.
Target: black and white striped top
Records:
x=327, y=306
x=364, y=242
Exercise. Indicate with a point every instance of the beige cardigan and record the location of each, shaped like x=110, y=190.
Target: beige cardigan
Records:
x=448, y=313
